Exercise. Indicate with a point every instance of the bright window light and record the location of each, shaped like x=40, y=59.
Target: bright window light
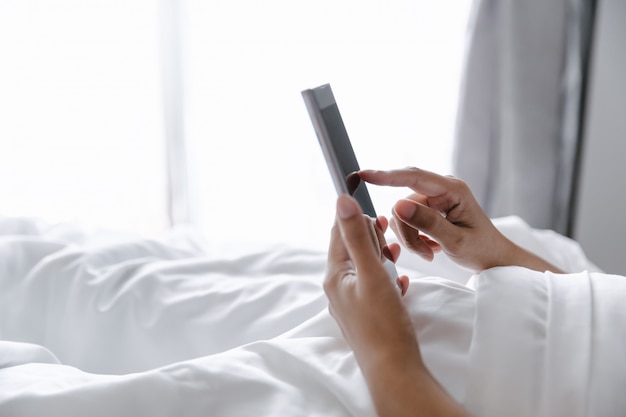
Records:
x=82, y=133
x=259, y=173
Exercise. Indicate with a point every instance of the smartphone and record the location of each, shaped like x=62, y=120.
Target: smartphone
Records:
x=337, y=149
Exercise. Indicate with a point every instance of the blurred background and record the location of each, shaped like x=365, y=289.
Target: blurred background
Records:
x=140, y=114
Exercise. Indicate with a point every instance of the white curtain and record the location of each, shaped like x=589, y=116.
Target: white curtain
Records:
x=518, y=124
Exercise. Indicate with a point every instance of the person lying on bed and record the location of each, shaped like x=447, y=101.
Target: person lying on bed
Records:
x=441, y=215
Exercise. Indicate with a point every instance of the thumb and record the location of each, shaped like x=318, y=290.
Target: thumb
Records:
x=425, y=219
x=356, y=234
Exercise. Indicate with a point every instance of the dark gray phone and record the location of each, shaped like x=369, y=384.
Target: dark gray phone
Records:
x=336, y=145
x=338, y=152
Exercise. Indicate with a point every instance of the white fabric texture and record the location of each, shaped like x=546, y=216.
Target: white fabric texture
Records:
x=557, y=342
x=91, y=325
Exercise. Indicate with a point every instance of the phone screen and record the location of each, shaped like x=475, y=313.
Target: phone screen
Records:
x=336, y=145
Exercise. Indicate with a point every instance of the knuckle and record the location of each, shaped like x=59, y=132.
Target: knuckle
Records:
x=413, y=169
x=327, y=285
x=330, y=284
x=331, y=310
x=458, y=184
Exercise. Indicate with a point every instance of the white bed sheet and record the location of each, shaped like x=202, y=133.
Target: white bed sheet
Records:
x=159, y=327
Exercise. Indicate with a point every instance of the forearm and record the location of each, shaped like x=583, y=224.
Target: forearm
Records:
x=404, y=387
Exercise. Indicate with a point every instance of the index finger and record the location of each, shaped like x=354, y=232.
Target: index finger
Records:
x=419, y=180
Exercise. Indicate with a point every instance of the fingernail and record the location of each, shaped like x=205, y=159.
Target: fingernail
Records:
x=387, y=253
x=346, y=207
x=405, y=209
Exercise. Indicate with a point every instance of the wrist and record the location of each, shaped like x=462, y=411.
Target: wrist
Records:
x=399, y=388
x=515, y=255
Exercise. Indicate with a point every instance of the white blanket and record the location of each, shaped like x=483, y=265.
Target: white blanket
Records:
x=159, y=327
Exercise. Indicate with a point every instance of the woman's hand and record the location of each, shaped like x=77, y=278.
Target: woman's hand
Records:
x=368, y=308
x=442, y=214
x=363, y=300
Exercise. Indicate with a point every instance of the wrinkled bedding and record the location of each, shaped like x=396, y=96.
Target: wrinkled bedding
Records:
x=125, y=326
